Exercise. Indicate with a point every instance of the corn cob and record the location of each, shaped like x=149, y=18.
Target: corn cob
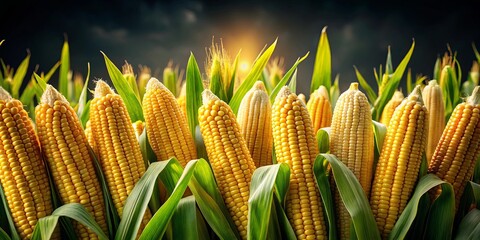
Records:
x=89, y=135
x=302, y=97
x=320, y=109
x=65, y=147
x=255, y=119
x=399, y=163
x=433, y=98
x=390, y=107
x=295, y=145
x=459, y=147
x=118, y=150
x=23, y=174
x=167, y=128
x=182, y=99
x=138, y=126
x=229, y=156
x=351, y=140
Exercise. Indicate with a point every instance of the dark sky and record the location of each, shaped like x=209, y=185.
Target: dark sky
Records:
x=152, y=32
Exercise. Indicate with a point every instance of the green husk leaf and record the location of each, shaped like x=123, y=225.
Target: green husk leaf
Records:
x=46, y=225
x=265, y=181
x=149, y=157
x=63, y=81
x=293, y=82
x=379, y=132
x=323, y=139
x=335, y=92
x=442, y=213
x=194, y=93
x=322, y=69
x=323, y=184
x=19, y=76
x=251, y=78
x=231, y=85
x=3, y=234
x=469, y=227
x=451, y=90
x=29, y=91
x=41, y=85
x=388, y=63
x=187, y=214
x=123, y=88
x=170, y=79
x=216, y=85
x=391, y=85
x=286, y=77
x=6, y=218
x=82, y=100
x=353, y=197
x=372, y=96
x=408, y=215
x=437, y=69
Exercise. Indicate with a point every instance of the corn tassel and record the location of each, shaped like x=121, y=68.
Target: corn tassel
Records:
x=351, y=140
x=23, y=175
x=255, y=119
x=399, y=163
x=390, y=107
x=320, y=109
x=295, y=145
x=455, y=156
x=118, y=150
x=229, y=157
x=433, y=98
x=65, y=147
x=167, y=128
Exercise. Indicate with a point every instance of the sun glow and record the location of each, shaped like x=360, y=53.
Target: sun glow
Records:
x=244, y=66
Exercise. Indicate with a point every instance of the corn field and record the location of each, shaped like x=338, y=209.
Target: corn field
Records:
x=224, y=156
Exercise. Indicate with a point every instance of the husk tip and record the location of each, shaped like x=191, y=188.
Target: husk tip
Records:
x=102, y=89
x=51, y=95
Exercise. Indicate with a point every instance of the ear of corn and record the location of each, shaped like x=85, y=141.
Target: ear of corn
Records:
x=399, y=163
x=320, y=109
x=433, y=98
x=390, y=107
x=295, y=145
x=459, y=147
x=65, y=147
x=23, y=174
x=255, y=119
x=351, y=140
x=167, y=127
x=118, y=150
x=230, y=159
x=182, y=99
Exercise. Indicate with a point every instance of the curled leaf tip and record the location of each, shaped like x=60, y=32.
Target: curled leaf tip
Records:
x=51, y=95
x=102, y=89
x=4, y=95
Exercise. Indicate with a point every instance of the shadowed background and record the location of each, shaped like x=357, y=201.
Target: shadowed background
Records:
x=152, y=33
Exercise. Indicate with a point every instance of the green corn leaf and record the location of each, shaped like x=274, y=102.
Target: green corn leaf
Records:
x=1, y=42
x=170, y=79
x=128, y=95
x=322, y=69
x=46, y=225
x=3, y=234
x=285, y=78
x=216, y=82
x=210, y=202
x=323, y=184
x=335, y=91
x=372, y=96
x=63, y=81
x=379, y=132
x=6, y=221
x=450, y=89
x=82, y=100
x=293, y=82
x=408, y=215
x=28, y=94
x=19, y=76
x=85, y=115
x=194, y=93
x=265, y=181
x=469, y=227
x=187, y=215
x=442, y=213
x=251, y=78
x=391, y=85
x=353, y=197
x=150, y=157
x=41, y=85
x=388, y=63
x=231, y=85
x=410, y=84
x=323, y=139
x=437, y=69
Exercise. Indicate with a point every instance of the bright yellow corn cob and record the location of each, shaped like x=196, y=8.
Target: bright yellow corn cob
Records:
x=320, y=109
x=459, y=147
x=23, y=174
x=118, y=150
x=255, y=119
x=295, y=145
x=138, y=126
x=399, y=163
x=167, y=128
x=351, y=140
x=229, y=156
x=433, y=98
x=390, y=107
x=65, y=147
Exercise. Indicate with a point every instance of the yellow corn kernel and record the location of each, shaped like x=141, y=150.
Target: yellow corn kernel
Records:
x=228, y=155
x=320, y=109
x=65, y=147
x=352, y=142
x=399, y=163
x=255, y=119
x=433, y=98
x=295, y=145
